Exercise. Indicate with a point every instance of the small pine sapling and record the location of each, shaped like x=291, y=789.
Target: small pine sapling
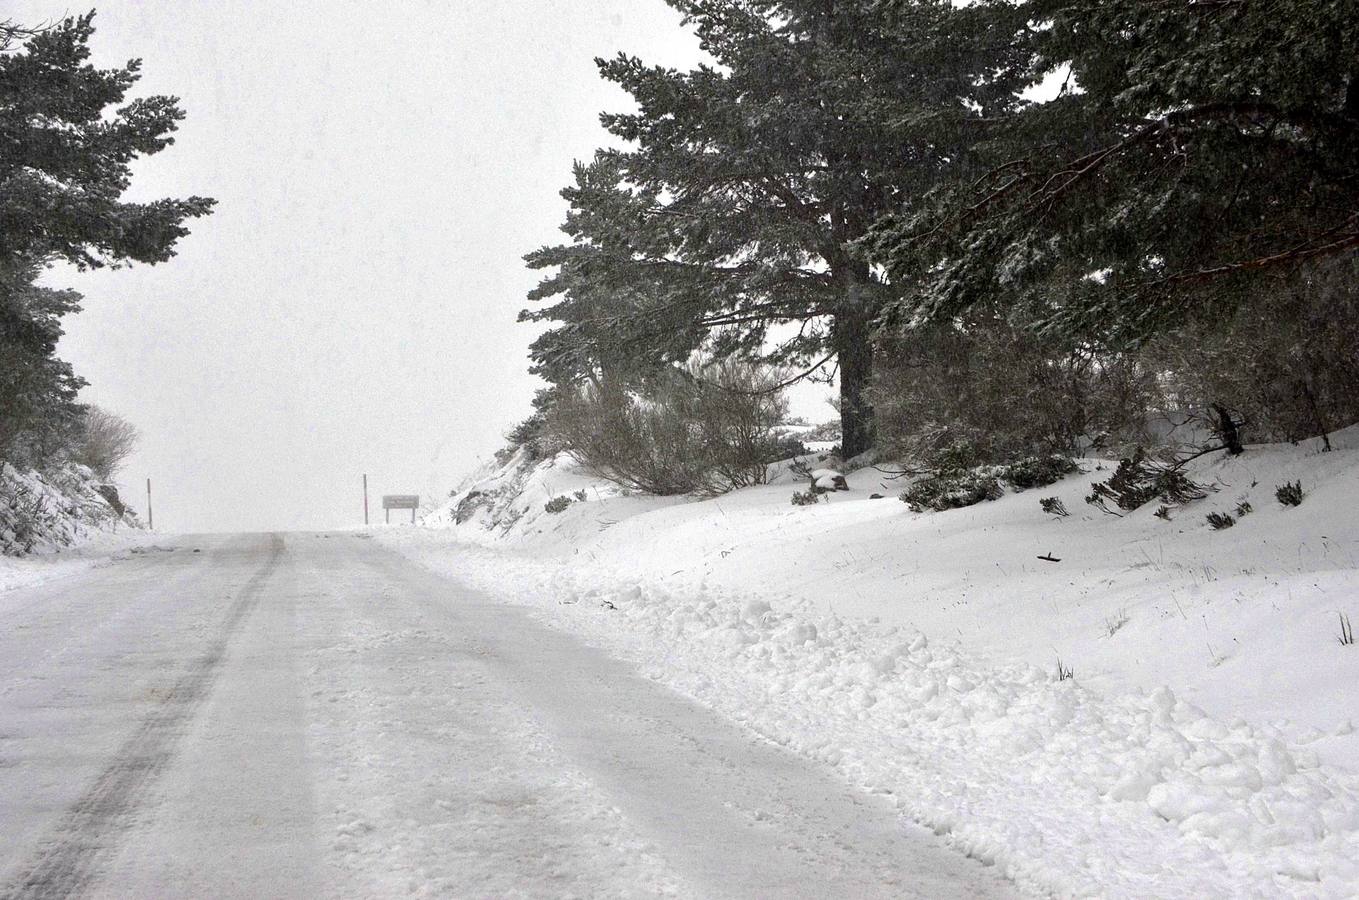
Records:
x=1162, y=512
x=1137, y=481
x=953, y=491
x=557, y=504
x=806, y=498
x=1037, y=471
x=1289, y=493
x=1244, y=509
x=1054, y=506
x=1220, y=521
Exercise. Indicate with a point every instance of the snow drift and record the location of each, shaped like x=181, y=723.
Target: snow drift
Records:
x=1204, y=747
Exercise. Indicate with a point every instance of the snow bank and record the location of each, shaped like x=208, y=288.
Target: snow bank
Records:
x=1205, y=746
x=506, y=503
x=61, y=522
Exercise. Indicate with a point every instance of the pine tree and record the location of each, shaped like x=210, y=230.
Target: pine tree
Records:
x=38, y=409
x=1198, y=153
x=66, y=147
x=732, y=217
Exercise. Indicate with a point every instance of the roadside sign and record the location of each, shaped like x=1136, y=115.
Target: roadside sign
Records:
x=400, y=501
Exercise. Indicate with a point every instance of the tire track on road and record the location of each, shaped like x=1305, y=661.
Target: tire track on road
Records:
x=68, y=862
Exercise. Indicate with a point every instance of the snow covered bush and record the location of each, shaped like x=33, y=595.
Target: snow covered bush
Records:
x=806, y=498
x=953, y=491
x=954, y=486
x=1138, y=480
x=557, y=504
x=1038, y=471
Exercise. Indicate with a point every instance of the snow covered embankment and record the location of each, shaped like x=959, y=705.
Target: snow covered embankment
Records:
x=1114, y=790
x=59, y=523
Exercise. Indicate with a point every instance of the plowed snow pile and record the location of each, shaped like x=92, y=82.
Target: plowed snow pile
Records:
x=1204, y=745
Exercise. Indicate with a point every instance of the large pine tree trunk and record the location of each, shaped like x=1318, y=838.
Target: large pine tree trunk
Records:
x=852, y=336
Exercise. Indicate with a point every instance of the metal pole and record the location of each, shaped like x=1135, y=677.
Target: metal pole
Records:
x=150, y=516
x=365, y=499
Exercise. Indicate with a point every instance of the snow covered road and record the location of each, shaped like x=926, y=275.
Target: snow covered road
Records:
x=310, y=715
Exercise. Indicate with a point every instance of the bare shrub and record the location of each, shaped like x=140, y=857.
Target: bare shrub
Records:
x=985, y=392
x=739, y=407
x=1285, y=362
x=105, y=442
x=703, y=429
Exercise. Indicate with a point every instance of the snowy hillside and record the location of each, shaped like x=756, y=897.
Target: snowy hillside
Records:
x=1204, y=743
x=58, y=523
x=506, y=504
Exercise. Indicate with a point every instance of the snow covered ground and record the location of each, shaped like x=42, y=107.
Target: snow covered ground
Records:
x=1204, y=747
x=93, y=551
x=309, y=715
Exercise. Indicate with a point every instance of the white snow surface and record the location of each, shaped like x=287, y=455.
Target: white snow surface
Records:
x=94, y=551
x=309, y=715
x=1204, y=747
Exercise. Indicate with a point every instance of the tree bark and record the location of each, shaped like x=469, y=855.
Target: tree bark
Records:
x=852, y=335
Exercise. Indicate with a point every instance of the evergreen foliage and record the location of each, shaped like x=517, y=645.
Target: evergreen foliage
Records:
x=1139, y=480
x=557, y=504
x=1196, y=153
x=1219, y=521
x=955, y=485
x=744, y=185
x=68, y=138
x=953, y=490
x=1289, y=493
x=871, y=188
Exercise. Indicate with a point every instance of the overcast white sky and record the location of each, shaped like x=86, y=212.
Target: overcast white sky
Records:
x=380, y=168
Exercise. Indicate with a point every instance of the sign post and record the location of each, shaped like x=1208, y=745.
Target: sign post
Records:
x=400, y=501
x=365, y=499
x=150, y=517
